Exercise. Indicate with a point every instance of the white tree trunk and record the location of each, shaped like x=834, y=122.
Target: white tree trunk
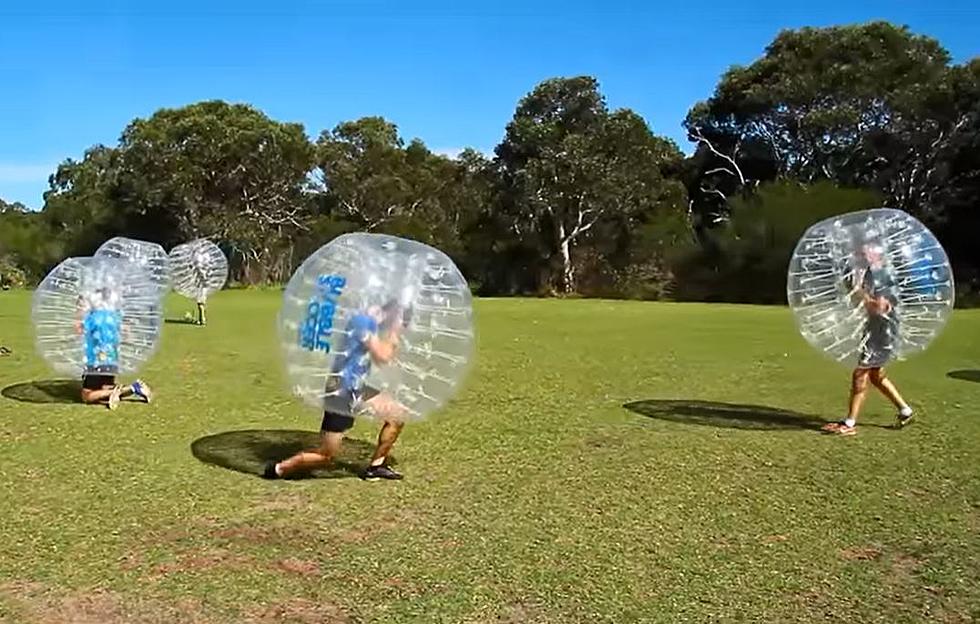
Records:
x=568, y=271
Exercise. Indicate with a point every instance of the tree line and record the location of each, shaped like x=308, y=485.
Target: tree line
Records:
x=577, y=198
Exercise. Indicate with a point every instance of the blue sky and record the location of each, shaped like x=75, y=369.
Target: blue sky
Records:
x=73, y=74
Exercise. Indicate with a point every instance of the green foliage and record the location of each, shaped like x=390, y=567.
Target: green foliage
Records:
x=570, y=168
x=370, y=179
x=577, y=199
x=26, y=250
x=865, y=106
x=746, y=259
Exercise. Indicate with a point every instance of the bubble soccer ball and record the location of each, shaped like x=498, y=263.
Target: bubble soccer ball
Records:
x=362, y=290
x=96, y=315
x=870, y=286
x=148, y=256
x=198, y=269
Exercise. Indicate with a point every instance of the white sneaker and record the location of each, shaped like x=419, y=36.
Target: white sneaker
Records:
x=114, y=397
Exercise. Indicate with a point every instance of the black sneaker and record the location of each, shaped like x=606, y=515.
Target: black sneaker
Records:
x=270, y=471
x=376, y=473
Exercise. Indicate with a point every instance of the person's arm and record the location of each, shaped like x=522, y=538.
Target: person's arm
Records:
x=80, y=310
x=383, y=351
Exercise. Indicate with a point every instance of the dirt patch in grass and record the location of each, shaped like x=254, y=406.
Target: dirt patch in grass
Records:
x=201, y=560
x=302, y=567
x=377, y=526
x=283, y=502
x=860, y=553
x=902, y=568
x=39, y=604
x=519, y=612
x=36, y=603
x=298, y=611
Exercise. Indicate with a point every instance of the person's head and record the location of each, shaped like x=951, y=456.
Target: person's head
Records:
x=871, y=254
x=386, y=314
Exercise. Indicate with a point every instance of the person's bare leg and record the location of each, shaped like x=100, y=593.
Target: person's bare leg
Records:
x=308, y=460
x=200, y=313
x=384, y=407
x=96, y=396
x=887, y=388
x=107, y=394
x=386, y=440
x=859, y=392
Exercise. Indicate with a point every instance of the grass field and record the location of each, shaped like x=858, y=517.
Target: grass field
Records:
x=535, y=497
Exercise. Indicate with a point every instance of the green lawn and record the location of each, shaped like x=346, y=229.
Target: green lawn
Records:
x=535, y=497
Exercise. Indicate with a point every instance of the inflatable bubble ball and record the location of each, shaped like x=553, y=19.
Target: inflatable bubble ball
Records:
x=148, y=256
x=96, y=315
x=198, y=269
x=870, y=287
x=377, y=325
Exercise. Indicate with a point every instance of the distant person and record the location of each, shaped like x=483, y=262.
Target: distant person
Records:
x=372, y=338
x=201, y=276
x=100, y=324
x=877, y=292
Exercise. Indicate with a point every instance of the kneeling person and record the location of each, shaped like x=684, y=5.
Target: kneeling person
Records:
x=100, y=326
x=347, y=396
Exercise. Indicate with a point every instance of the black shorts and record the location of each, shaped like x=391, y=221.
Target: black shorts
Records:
x=338, y=413
x=97, y=381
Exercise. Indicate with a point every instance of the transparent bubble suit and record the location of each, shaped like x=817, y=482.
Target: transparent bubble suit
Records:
x=198, y=269
x=96, y=315
x=148, y=256
x=883, y=252
x=351, y=274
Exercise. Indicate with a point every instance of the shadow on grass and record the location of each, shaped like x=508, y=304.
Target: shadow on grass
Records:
x=965, y=375
x=727, y=415
x=180, y=321
x=248, y=451
x=45, y=391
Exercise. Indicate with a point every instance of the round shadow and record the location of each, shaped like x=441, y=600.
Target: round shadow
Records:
x=726, y=415
x=45, y=391
x=249, y=450
x=965, y=375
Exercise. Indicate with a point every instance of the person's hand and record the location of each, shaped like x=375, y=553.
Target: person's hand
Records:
x=879, y=306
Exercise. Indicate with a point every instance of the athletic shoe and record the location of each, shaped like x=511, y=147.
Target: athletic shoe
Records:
x=114, y=397
x=142, y=390
x=901, y=419
x=270, y=471
x=839, y=428
x=376, y=473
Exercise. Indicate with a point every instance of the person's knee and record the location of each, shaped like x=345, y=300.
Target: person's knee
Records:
x=330, y=442
x=322, y=456
x=878, y=376
x=859, y=381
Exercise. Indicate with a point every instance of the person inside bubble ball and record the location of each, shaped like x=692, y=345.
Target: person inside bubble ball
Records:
x=201, y=276
x=875, y=290
x=372, y=339
x=100, y=325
